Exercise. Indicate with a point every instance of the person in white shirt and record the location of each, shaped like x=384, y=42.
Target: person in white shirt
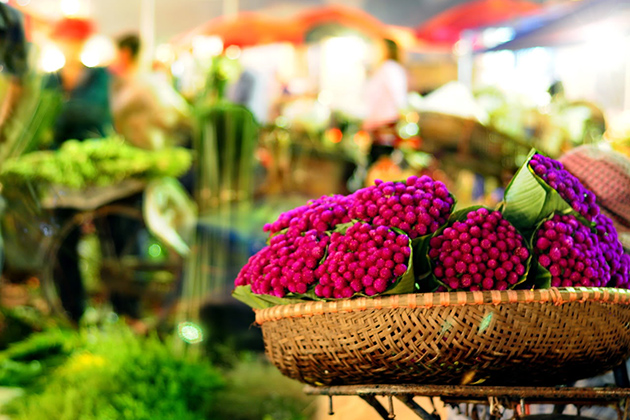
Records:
x=386, y=89
x=385, y=98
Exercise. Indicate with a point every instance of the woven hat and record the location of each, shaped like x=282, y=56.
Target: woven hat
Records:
x=607, y=174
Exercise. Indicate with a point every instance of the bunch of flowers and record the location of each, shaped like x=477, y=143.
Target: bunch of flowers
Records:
x=618, y=280
x=340, y=246
x=323, y=214
x=286, y=265
x=481, y=252
x=418, y=206
x=366, y=259
x=612, y=249
x=571, y=253
x=568, y=186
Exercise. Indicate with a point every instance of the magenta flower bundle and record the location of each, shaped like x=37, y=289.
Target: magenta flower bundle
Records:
x=403, y=237
x=366, y=260
x=417, y=207
x=483, y=251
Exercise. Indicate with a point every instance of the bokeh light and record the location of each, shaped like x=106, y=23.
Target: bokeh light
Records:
x=98, y=51
x=70, y=7
x=190, y=332
x=51, y=58
x=233, y=52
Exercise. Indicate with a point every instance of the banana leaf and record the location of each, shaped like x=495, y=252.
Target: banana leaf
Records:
x=539, y=277
x=256, y=301
x=529, y=199
x=424, y=280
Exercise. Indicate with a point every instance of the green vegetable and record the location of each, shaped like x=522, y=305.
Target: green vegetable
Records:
x=95, y=162
x=114, y=374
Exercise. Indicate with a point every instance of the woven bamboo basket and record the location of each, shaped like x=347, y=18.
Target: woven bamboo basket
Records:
x=525, y=337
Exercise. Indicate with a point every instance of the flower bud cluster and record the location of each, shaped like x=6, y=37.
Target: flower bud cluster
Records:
x=568, y=186
x=613, y=251
x=366, y=259
x=482, y=252
x=571, y=253
x=286, y=265
x=418, y=207
x=323, y=214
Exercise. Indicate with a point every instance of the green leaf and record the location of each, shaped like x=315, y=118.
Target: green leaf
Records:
x=529, y=199
x=256, y=301
x=538, y=276
x=525, y=198
x=407, y=282
x=343, y=227
x=310, y=294
x=422, y=265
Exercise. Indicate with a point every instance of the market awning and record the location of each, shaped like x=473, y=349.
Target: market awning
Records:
x=246, y=29
x=341, y=16
x=445, y=28
x=588, y=21
x=255, y=28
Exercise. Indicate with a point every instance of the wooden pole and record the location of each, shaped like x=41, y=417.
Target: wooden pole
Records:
x=147, y=32
x=230, y=8
x=626, y=99
x=465, y=60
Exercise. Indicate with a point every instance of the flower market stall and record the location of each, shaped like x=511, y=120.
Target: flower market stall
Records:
x=391, y=286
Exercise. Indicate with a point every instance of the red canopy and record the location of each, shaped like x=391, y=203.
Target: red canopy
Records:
x=446, y=27
x=246, y=29
x=343, y=16
x=255, y=28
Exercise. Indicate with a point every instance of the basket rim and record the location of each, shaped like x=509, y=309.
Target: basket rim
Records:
x=553, y=295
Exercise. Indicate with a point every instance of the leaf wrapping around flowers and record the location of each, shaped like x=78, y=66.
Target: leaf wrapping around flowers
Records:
x=529, y=199
x=407, y=282
x=424, y=280
x=430, y=283
x=404, y=284
x=253, y=300
x=538, y=277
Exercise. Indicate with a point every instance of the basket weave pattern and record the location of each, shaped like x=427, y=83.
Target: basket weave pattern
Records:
x=525, y=337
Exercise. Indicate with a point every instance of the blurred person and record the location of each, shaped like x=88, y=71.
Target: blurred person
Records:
x=386, y=89
x=149, y=114
x=250, y=91
x=148, y=111
x=13, y=58
x=385, y=97
x=85, y=111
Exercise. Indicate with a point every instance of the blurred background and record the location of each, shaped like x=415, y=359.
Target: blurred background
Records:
x=145, y=143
